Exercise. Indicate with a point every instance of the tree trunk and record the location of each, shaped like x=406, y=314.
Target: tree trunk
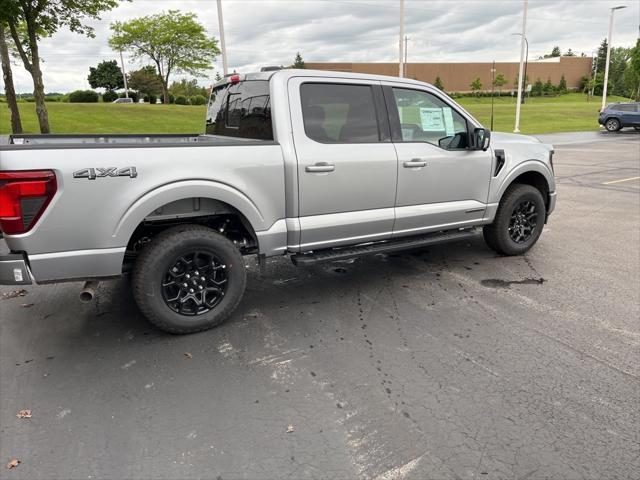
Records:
x=16, y=124
x=165, y=93
x=38, y=85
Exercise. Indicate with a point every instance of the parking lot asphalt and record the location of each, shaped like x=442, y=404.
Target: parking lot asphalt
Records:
x=450, y=362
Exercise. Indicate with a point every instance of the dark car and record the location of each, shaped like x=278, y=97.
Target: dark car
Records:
x=618, y=115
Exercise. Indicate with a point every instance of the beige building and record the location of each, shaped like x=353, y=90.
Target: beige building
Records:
x=457, y=77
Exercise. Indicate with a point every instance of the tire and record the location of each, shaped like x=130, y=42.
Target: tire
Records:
x=518, y=222
x=637, y=128
x=612, y=125
x=188, y=279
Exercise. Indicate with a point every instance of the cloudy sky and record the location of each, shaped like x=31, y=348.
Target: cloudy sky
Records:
x=268, y=32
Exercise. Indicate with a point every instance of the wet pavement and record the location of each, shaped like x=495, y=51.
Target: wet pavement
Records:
x=449, y=362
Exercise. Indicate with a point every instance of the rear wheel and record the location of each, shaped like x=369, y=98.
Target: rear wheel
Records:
x=518, y=222
x=188, y=279
x=612, y=125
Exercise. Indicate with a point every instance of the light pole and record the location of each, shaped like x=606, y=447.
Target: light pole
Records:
x=526, y=61
x=124, y=76
x=401, y=57
x=516, y=128
x=606, y=65
x=223, y=45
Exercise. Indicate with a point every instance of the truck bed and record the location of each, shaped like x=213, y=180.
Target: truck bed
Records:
x=111, y=140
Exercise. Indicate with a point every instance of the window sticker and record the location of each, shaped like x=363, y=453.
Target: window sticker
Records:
x=448, y=121
x=432, y=119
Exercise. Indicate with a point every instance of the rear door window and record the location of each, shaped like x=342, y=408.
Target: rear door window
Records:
x=339, y=113
x=241, y=110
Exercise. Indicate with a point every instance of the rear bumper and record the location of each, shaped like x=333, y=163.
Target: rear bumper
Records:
x=14, y=270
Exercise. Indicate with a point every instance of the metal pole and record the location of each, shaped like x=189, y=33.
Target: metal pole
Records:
x=606, y=65
x=401, y=56
x=406, y=39
x=223, y=45
x=493, y=85
x=124, y=75
x=526, y=64
x=516, y=128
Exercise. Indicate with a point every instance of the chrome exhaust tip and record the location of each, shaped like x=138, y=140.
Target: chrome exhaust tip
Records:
x=88, y=291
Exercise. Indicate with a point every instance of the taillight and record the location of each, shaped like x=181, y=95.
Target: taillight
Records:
x=234, y=79
x=24, y=196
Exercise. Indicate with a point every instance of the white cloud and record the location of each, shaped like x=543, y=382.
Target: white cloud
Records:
x=270, y=32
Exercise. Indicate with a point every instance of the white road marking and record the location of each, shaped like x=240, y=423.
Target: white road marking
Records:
x=620, y=181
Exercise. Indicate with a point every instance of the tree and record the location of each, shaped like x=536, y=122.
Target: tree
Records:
x=106, y=75
x=562, y=86
x=218, y=77
x=555, y=52
x=187, y=88
x=174, y=41
x=602, y=56
x=476, y=86
x=9, y=89
x=547, y=88
x=298, y=62
x=146, y=81
x=499, y=81
x=44, y=18
x=569, y=53
x=537, y=89
x=438, y=84
x=634, y=66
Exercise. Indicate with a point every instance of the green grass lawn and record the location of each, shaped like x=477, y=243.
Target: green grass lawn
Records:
x=566, y=113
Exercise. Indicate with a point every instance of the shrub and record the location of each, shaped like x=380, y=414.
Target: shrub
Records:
x=84, y=96
x=197, y=100
x=537, y=89
x=172, y=98
x=181, y=100
x=109, y=96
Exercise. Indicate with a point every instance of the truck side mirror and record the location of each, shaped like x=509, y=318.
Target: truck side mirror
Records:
x=481, y=139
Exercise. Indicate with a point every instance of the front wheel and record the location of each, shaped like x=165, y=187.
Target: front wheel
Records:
x=188, y=279
x=612, y=125
x=518, y=222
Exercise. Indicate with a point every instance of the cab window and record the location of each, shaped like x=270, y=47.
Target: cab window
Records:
x=241, y=110
x=426, y=118
x=339, y=113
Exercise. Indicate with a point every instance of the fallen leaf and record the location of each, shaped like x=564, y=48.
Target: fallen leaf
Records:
x=27, y=305
x=290, y=429
x=24, y=413
x=13, y=463
x=15, y=293
x=188, y=355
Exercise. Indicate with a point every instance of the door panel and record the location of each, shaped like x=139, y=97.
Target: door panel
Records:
x=347, y=167
x=441, y=183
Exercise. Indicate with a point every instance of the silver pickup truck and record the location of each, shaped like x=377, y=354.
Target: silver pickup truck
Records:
x=316, y=165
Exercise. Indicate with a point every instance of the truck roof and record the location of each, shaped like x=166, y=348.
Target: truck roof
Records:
x=286, y=73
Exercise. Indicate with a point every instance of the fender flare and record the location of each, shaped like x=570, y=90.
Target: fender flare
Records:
x=525, y=167
x=174, y=191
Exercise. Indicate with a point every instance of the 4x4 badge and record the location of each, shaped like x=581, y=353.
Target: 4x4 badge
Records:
x=93, y=173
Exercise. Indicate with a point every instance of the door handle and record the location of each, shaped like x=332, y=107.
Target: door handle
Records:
x=320, y=167
x=414, y=163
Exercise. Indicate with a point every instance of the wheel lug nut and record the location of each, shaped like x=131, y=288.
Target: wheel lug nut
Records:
x=184, y=284
x=191, y=290
x=202, y=279
x=200, y=287
x=196, y=273
x=188, y=276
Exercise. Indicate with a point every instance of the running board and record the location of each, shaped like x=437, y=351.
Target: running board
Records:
x=390, y=246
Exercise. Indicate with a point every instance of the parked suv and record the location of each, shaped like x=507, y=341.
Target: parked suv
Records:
x=618, y=115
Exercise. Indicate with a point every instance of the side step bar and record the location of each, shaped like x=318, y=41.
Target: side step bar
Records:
x=390, y=246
